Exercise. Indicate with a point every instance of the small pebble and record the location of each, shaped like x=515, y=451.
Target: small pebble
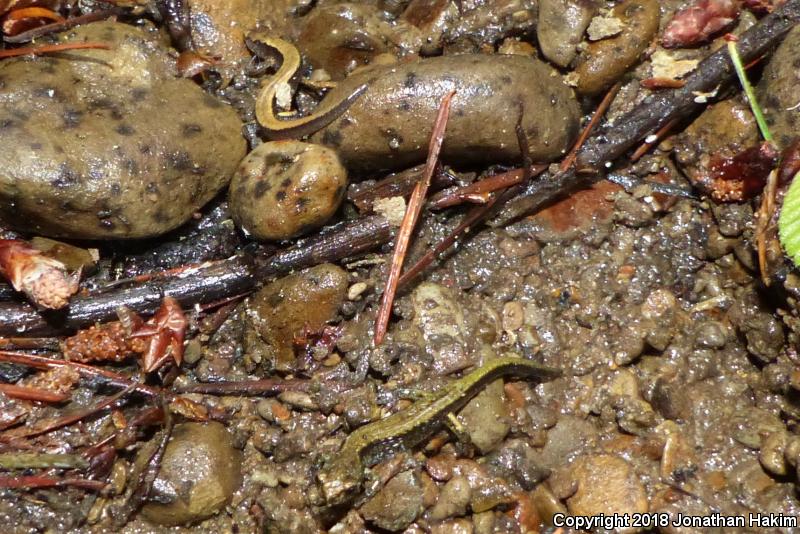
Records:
x=453, y=499
x=513, y=316
x=771, y=454
x=298, y=399
x=355, y=291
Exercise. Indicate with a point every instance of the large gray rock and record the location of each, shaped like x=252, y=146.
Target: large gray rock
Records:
x=102, y=144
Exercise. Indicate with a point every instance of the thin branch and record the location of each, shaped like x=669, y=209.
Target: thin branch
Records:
x=268, y=386
x=30, y=35
x=49, y=426
x=32, y=394
x=598, y=114
x=410, y=219
x=49, y=49
x=109, y=377
x=38, y=481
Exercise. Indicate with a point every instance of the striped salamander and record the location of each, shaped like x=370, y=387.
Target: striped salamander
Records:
x=341, y=478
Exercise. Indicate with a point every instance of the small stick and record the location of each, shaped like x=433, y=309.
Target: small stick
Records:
x=32, y=394
x=40, y=362
x=268, y=386
x=30, y=35
x=146, y=277
x=147, y=476
x=36, y=460
x=598, y=114
x=69, y=419
x=662, y=83
x=38, y=481
x=493, y=183
x=645, y=147
x=764, y=217
x=410, y=219
x=49, y=49
x=28, y=343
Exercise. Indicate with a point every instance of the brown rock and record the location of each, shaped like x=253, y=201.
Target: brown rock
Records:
x=606, y=61
x=199, y=473
x=561, y=26
x=721, y=131
x=606, y=484
x=485, y=417
x=397, y=505
x=285, y=308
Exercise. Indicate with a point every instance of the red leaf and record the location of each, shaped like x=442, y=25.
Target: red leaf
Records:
x=698, y=22
x=742, y=176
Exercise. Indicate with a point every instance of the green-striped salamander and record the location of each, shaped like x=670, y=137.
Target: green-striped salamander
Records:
x=341, y=478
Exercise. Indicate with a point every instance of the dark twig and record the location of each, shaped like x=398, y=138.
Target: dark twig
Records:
x=48, y=426
x=268, y=386
x=147, y=476
x=481, y=189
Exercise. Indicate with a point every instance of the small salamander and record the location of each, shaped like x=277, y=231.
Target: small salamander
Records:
x=343, y=475
x=328, y=110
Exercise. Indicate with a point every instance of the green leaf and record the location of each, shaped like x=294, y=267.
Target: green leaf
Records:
x=789, y=221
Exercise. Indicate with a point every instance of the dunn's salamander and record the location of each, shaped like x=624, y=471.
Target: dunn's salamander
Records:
x=342, y=476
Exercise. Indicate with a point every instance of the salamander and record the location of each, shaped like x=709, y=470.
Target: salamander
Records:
x=276, y=128
x=343, y=475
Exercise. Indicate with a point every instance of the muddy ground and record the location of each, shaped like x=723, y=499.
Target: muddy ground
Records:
x=680, y=393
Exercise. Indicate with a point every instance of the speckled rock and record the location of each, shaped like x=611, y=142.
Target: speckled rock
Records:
x=102, y=144
x=286, y=188
x=305, y=300
x=777, y=91
x=199, y=473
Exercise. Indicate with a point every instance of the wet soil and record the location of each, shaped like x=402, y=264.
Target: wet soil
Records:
x=680, y=392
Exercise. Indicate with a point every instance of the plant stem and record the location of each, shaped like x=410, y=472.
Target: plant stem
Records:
x=748, y=90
